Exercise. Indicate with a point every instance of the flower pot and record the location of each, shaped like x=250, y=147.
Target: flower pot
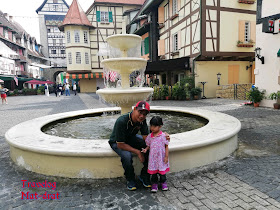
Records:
x=195, y=97
x=256, y=104
x=276, y=106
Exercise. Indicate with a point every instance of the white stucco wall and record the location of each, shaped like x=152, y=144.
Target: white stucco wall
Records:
x=267, y=74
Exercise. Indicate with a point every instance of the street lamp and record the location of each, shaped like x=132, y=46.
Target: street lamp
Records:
x=219, y=77
x=203, y=83
x=258, y=54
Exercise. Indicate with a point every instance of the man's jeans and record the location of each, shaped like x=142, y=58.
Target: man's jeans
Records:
x=126, y=157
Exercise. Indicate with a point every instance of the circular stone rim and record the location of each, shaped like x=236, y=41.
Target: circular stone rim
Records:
x=28, y=135
x=123, y=90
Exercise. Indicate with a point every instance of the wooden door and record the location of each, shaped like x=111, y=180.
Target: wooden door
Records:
x=233, y=74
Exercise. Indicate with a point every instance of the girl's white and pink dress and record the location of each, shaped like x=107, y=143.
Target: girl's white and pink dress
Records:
x=157, y=153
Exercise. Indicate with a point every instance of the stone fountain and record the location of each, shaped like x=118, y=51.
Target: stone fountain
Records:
x=39, y=152
x=124, y=97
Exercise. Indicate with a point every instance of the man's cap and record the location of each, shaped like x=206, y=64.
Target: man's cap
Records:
x=143, y=105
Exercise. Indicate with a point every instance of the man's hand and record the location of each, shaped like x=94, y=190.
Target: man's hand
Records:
x=141, y=156
x=144, y=150
x=166, y=159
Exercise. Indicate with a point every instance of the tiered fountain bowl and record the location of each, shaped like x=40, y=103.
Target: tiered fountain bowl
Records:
x=125, y=97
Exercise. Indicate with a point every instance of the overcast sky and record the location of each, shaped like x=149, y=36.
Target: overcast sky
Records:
x=24, y=12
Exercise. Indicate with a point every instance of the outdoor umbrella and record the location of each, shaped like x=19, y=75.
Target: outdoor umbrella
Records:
x=34, y=82
x=48, y=82
x=1, y=81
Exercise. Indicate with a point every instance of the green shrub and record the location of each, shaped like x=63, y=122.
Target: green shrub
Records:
x=255, y=95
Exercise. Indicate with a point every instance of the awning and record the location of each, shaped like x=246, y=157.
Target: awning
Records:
x=11, y=77
x=84, y=76
x=40, y=65
x=39, y=82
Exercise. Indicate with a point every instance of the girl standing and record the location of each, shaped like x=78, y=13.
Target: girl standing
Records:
x=158, y=158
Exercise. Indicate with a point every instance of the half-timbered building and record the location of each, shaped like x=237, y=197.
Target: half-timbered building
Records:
x=217, y=35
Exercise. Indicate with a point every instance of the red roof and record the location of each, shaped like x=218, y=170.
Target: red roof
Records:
x=75, y=16
x=134, y=2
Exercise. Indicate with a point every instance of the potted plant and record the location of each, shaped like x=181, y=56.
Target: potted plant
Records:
x=275, y=96
x=196, y=91
x=165, y=92
x=256, y=96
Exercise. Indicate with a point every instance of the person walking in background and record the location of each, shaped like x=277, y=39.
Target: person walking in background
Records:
x=55, y=89
x=59, y=89
x=3, y=92
x=158, y=157
x=67, y=89
x=75, y=88
x=47, y=93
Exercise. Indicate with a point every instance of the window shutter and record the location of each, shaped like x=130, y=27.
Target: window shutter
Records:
x=147, y=45
x=253, y=30
x=161, y=47
x=161, y=15
x=241, y=33
x=110, y=17
x=98, y=16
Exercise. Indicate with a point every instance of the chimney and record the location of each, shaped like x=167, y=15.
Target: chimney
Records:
x=6, y=15
x=11, y=19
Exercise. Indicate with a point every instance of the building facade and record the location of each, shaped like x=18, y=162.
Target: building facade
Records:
x=202, y=38
x=51, y=14
x=267, y=71
x=21, y=58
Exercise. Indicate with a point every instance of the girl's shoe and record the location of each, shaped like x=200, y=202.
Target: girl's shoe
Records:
x=154, y=188
x=164, y=186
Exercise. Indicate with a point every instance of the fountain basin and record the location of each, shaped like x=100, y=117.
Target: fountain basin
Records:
x=124, y=65
x=36, y=151
x=124, y=41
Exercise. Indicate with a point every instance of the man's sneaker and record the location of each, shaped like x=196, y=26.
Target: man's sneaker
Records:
x=164, y=186
x=145, y=181
x=154, y=188
x=131, y=185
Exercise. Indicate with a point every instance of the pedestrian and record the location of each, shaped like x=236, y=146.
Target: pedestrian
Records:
x=75, y=88
x=47, y=93
x=3, y=92
x=67, y=89
x=158, y=164
x=55, y=89
x=59, y=89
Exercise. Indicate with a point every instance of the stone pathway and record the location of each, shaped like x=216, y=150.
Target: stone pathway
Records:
x=249, y=179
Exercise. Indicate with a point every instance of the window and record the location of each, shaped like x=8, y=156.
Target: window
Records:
x=142, y=47
x=49, y=30
x=55, y=7
x=77, y=37
x=53, y=51
x=86, y=58
x=61, y=41
x=68, y=36
x=62, y=51
x=78, y=58
x=174, y=7
x=104, y=16
x=70, y=58
x=85, y=37
x=54, y=42
x=247, y=32
x=175, y=42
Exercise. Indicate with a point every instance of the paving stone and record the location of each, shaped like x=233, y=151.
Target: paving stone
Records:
x=259, y=200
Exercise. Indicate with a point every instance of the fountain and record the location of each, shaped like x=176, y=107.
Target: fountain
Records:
x=125, y=96
x=39, y=152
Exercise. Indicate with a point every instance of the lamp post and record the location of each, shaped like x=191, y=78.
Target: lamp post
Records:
x=203, y=83
x=219, y=77
x=258, y=54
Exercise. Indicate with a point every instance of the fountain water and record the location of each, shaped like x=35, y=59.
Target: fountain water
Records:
x=125, y=96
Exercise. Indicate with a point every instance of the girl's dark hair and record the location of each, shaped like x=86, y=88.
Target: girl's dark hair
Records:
x=156, y=121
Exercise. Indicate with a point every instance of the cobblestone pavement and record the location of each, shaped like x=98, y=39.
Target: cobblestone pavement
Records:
x=249, y=179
